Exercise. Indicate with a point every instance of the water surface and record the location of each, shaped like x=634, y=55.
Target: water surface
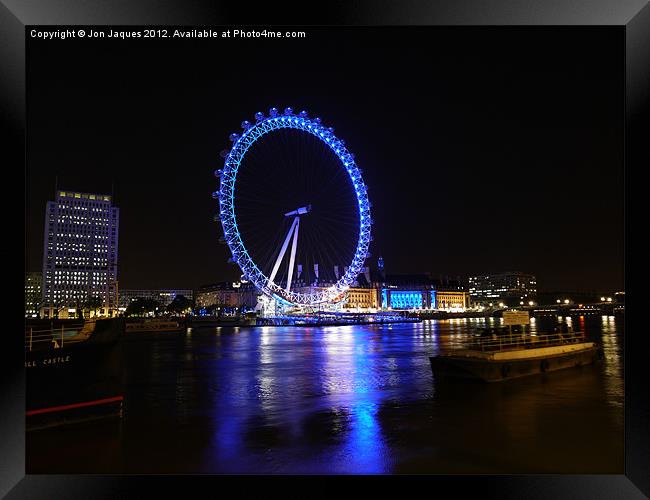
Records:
x=349, y=399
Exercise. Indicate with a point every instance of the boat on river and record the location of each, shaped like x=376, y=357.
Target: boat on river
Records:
x=73, y=370
x=502, y=357
x=154, y=325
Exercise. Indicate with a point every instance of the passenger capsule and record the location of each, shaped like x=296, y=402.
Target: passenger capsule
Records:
x=288, y=111
x=218, y=172
x=224, y=153
x=259, y=116
x=273, y=112
x=245, y=124
x=233, y=137
x=215, y=195
x=303, y=114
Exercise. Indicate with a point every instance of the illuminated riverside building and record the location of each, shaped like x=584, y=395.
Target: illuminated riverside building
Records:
x=408, y=291
x=396, y=298
x=509, y=288
x=33, y=293
x=227, y=294
x=164, y=297
x=452, y=300
x=365, y=299
x=420, y=291
x=79, y=254
x=443, y=300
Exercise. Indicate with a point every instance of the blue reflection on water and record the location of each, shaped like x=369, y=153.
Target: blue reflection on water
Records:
x=324, y=400
x=352, y=384
x=365, y=444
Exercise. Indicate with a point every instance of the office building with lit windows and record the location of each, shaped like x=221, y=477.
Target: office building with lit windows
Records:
x=33, y=294
x=509, y=288
x=79, y=254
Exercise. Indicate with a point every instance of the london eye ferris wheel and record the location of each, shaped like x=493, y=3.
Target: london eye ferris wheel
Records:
x=294, y=208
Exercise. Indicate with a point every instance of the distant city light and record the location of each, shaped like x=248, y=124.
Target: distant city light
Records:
x=566, y=301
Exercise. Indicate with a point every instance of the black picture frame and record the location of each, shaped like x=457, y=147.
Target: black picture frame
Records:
x=631, y=16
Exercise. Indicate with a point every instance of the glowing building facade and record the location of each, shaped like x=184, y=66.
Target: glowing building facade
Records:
x=407, y=298
x=79, y=254
x=361, y=299
x=452, y=300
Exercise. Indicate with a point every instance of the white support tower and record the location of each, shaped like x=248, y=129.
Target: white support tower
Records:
x=293, y=231
x=292, y=258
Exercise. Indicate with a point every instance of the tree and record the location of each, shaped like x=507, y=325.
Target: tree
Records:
x=180, y=304
x=93, y=303
x=142, y=306
x=79, y=308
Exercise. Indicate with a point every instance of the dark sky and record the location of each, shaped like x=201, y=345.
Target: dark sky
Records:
x=484, y=149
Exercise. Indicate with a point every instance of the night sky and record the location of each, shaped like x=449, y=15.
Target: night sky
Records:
x=484, y=149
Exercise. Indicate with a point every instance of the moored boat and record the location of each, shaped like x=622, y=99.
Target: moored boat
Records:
x=73, y=370
x=502, y=358
x=154, y=325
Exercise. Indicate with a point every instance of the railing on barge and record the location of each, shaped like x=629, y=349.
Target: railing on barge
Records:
x=501, y=342
x=56, y=337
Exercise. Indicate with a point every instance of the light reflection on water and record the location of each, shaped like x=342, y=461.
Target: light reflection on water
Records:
x=359, y=399
x=351, y=384
x=334, y=381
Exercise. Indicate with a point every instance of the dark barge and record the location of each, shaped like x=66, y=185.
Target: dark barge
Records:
x=505, y=358
x=73, y=371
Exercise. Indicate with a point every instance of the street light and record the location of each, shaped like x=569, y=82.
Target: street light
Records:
x=566, y=301
x=531, y=303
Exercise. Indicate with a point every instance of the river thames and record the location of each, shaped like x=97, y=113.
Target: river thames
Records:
x=348, y=399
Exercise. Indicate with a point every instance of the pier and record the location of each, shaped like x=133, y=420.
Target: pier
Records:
x=336, y=319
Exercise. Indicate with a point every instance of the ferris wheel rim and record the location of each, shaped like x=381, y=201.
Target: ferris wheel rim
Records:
x=227, y=216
